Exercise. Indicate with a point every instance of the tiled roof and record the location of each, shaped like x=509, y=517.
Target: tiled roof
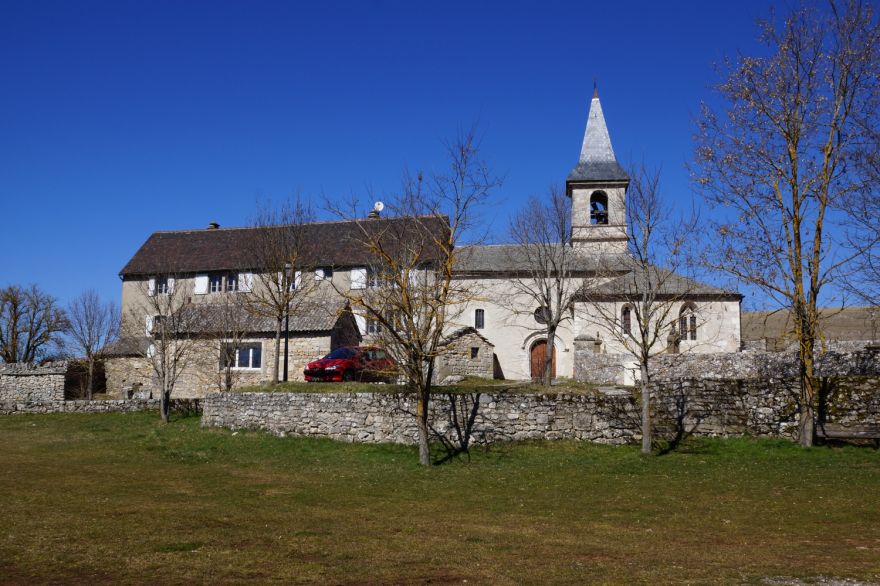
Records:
x=597, y=161
x=309, y=316
x=510, y=258
x=664, y=282
x=465, y=331
x=329, y=244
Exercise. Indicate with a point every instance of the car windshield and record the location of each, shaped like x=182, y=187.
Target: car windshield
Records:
x=341, y=353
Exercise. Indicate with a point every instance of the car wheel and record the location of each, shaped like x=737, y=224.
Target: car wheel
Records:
x=347, y=376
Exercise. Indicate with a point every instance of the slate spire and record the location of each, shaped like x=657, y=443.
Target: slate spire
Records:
x=597, y=161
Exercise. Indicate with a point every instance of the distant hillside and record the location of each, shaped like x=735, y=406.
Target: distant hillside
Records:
x=852, y=323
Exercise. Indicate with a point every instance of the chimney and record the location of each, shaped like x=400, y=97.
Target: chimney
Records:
x=213, y=225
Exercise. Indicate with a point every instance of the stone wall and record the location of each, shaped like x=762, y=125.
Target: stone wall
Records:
x=26, y=382
x=752, y=365
x=458, y=360
x=382, y=417
x=202, y=374
x=602, y=369
x=758, y=407
x=9, y=407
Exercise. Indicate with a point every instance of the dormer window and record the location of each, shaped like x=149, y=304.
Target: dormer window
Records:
x=599, y=208
x=220, y=282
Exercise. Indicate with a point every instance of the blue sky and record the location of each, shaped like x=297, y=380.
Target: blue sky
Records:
x=121, y=118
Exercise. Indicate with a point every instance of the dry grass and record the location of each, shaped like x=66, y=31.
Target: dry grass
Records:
x=123, y=499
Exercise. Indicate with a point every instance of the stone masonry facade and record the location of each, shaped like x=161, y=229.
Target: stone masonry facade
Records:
x=27, y=383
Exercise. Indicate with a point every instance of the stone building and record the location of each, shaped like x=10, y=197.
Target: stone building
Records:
x=214, y=265
x=706, y=319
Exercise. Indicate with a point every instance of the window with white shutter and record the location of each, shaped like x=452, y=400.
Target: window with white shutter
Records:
x=359, y=278
x=201, y=285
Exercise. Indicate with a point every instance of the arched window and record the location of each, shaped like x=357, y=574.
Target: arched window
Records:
x=599, y=208
x=626, y=320
x=687, y=322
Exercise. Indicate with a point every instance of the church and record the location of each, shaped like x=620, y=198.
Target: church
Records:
x=211, y=266
x=699, y=317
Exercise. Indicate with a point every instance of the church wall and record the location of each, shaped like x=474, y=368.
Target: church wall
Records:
x=510, y=325
x=718, y=327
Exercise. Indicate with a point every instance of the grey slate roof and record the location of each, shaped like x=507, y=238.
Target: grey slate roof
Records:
x=665, y=282
x=311, y=316
x=597, y=161
x=314, y=316
x=465, y=331
x=509, y=258
x=331, y=244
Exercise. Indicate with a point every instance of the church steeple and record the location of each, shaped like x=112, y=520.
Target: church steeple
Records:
x=597, y=186
x=597, y=161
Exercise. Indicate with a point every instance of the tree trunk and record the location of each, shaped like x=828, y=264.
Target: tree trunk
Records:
x=165, y=404
x=809, y=386
x=422, y=421
x=277, y=359
x=646, y=410
x=91, y=378
x=548, y=356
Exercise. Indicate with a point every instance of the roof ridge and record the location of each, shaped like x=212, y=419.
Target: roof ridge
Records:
x=317, y=223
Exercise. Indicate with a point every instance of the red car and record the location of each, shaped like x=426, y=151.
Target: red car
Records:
x=352, y=363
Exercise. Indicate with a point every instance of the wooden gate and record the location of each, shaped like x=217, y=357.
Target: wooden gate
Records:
x=538, y=355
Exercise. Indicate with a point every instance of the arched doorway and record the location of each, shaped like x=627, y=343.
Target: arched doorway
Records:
x=538, y=356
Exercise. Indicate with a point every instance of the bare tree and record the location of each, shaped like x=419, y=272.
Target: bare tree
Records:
x=93, y=326
x=31, y=324
x=231, y=322
x=409, y=294
x=172, y=325
x=279, y=252
x=541, y=232
x=638, y=303
x=786, y=162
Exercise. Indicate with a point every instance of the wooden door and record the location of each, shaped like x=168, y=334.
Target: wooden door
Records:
x=538, y=356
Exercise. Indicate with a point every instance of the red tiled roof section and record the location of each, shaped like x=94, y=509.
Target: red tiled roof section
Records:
x=331, y=244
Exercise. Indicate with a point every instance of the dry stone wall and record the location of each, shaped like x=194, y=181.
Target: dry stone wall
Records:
x=702, y=407
x=10, y=407
x=26, y=382
x=382, y=417
x=608, y=368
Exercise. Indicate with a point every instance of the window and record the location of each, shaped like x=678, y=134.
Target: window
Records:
x=162, y=287
x=474, y=353
x=216, y=283
x=220, y=282
x=626, y=320
x=598, y=208
x=244, y=356
x=323, y=274
x=374, y=279
x=687, y=322
x=479, y=319
x=542, y=315
x=373, y=326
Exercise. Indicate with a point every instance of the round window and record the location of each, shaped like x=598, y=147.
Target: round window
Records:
x=541, y=315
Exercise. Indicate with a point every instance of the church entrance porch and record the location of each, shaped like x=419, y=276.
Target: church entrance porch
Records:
x=538, y=356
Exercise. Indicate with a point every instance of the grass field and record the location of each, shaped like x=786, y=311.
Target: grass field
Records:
x=123, y=499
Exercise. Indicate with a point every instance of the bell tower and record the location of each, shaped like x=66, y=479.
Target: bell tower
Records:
x=597, y=188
